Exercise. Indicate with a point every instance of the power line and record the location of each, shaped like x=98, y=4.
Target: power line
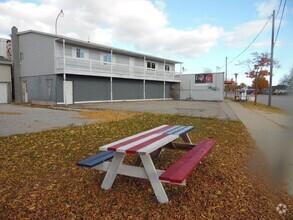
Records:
x=269, y=18
x=280, y=21
x=279, y=8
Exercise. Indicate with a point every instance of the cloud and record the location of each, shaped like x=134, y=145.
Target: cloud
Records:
x=266, y=8
x=247, y=31
x=141, y=23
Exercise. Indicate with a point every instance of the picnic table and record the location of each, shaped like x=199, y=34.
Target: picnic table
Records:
x=146, y=145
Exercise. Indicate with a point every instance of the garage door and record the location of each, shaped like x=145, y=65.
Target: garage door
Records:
x=3, y=93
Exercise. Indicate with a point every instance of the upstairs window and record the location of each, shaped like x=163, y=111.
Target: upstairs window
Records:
x=107, y=58
x=151, y=65
x=167, y=67
x=79, y=53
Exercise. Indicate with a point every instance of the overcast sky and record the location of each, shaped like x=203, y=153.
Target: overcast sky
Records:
x=199, y=33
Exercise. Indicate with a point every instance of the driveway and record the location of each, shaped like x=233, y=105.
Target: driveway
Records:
x=17, y=119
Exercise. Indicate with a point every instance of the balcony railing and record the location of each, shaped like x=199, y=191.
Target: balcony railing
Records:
x=100, y=68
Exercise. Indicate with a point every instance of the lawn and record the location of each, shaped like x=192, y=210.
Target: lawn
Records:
x=39, y=178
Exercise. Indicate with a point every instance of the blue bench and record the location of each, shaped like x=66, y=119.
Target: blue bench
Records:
x=96, y=160
x=179, y=171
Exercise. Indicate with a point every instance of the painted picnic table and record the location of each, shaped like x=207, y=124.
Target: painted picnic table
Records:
x=144, y=144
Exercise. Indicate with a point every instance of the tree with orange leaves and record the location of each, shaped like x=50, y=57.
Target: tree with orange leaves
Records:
x=261, y=63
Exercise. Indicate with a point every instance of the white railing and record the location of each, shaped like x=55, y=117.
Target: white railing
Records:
x=92, y=67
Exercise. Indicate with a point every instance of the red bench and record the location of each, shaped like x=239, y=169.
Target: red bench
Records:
x=179, y=171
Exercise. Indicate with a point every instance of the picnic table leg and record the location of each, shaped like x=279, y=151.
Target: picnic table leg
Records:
x=112, y=171
x=186, y=138
x=154, y=178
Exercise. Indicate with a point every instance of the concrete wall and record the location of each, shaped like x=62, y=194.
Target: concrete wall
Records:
x=207, y=91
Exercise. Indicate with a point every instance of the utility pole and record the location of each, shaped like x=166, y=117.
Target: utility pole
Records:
x=226, y=69
x=226, y=76
x=272, y=60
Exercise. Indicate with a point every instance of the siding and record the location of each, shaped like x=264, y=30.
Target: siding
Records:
x=121, y=59
x=5, y=73
x=38, y=88
x=38, y=54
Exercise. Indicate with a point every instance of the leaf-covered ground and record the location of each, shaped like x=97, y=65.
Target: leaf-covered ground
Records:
x=39, y=178
x=262, y=107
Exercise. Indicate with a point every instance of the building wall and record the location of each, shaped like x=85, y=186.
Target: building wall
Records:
x=85, y=88
x=40, y=88
x=5, y=77
x=36, y=54
x=154, y=89
x=92, y=88
x=124, y=89
x=5, y=73
x=208, y=91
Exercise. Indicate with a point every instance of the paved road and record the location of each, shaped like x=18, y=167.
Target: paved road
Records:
x=281, y=101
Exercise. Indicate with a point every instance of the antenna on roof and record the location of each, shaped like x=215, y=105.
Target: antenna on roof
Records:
x=88, y=38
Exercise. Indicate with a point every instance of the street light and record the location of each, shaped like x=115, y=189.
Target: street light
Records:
x=61, y=14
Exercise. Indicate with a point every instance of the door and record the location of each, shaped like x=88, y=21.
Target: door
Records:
x=24, y=91
x=68, y=92
x=3, y=93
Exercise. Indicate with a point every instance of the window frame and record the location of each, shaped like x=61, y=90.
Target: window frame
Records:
x=152, y=66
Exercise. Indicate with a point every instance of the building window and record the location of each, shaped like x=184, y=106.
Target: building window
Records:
x=79, y=53
x=151, y=65
x=167, y=67
x=107, y=58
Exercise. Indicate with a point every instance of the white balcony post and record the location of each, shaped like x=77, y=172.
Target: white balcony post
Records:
x=164, y=90
x=111, y=62
x=164, y=70
x=111, y=78
x=64, y=75
x=144, y=69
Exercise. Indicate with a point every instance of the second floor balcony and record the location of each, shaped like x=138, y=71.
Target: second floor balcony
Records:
x=109, y=69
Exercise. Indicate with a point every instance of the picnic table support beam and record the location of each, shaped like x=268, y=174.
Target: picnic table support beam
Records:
x=113, y=170
x=154, y=178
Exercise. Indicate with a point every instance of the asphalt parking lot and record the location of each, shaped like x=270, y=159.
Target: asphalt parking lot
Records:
x=220, y=110
x=18, y=119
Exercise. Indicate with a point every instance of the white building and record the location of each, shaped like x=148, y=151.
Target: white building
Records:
x=202, y=86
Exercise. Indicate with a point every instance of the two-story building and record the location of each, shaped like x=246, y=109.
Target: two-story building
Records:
x=60, y=70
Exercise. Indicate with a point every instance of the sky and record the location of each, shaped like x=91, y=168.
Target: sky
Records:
x=201, y=34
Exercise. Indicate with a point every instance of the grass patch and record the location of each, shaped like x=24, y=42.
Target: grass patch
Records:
x=262, y=107
x=107, y=115
x=39, y=178
x=10, y=113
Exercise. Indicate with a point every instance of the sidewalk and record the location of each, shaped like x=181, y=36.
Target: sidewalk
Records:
x=272, y=133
